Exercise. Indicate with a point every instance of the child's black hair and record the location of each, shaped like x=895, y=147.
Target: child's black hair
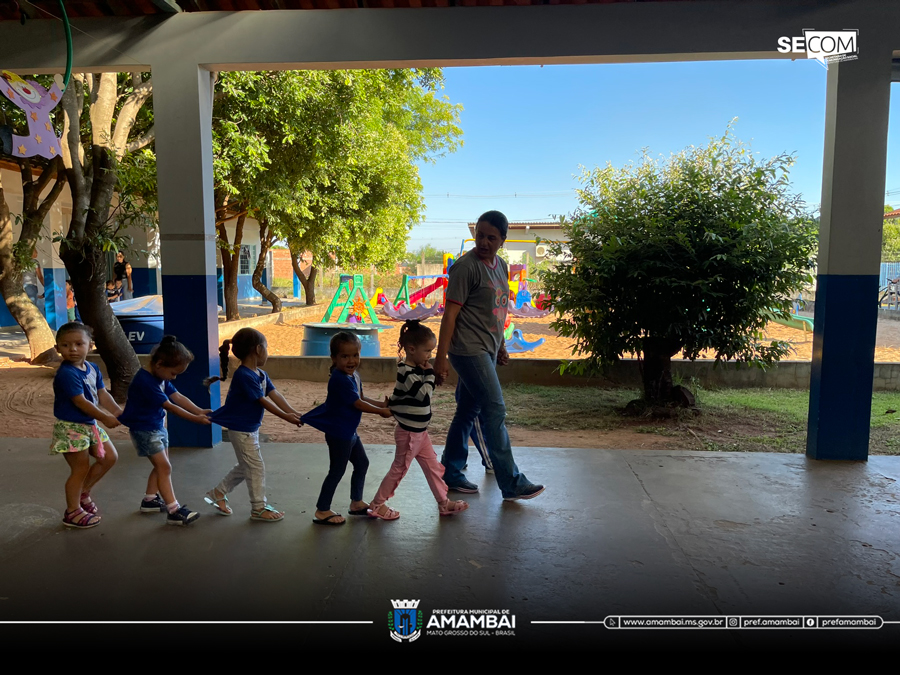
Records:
x=170, y=353
x=412, y=334
x=241, y=345
x=341, y=338
x=71, y=327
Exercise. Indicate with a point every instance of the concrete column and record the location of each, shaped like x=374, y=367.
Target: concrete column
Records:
x=846, y=314
x=54, y=272
x=182, y=110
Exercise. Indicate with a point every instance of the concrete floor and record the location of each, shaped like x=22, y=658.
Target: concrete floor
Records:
x=616, y=532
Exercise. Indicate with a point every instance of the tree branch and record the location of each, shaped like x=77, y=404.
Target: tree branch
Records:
x=103, y=107
x=141, y=141
x=127, y=116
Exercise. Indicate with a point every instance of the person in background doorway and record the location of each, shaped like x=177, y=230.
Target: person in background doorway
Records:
x=122, y=272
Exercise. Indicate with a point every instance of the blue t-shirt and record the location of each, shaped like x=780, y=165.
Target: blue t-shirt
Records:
x=70, y=381
x=146, y=396
x=338, y=416
x=242, y=410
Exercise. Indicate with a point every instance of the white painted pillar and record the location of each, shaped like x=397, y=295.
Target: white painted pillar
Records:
x=846, y=312
x=182, y=110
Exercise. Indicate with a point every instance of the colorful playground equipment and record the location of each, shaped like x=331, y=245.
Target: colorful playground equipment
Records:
x=404, y=313
x=517, y=344
x=796, y=321
x=356, y=307
x=408, y=305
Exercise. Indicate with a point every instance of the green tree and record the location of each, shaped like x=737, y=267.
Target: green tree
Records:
x=685, y=254
x=107, y=117
x=890, y=238
x=430, y=254
x=325, y=160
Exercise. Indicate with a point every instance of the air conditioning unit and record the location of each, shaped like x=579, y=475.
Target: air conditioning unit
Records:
x=540, y=251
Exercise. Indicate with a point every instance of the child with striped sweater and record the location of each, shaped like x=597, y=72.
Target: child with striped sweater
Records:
x=411, y=406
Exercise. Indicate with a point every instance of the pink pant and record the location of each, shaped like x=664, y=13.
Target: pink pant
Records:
x=412, y=445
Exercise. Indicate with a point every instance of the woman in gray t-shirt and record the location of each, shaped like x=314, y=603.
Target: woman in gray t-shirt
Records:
x=471, y=339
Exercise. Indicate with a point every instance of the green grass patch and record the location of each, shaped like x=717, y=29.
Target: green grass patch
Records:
x=769, y=420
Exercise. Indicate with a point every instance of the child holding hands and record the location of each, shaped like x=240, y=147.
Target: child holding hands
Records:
x=150, y=395
x=339, y=418
x=410, y=404
x=247, y=400
x=79, y=392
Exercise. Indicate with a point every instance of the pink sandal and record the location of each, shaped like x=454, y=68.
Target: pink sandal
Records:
x=390, y=515
x=88, y=504
x=452, y=508
x=79, y=518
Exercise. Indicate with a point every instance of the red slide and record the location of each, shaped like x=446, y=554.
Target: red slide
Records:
x=423, y=292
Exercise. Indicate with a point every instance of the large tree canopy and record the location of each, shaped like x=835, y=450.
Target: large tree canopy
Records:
x=326, y=160
x=685, y=254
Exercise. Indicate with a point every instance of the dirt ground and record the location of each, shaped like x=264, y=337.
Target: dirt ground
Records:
x=285, y=340
x=26, y=392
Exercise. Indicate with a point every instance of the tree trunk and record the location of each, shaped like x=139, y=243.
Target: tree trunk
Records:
x=231, y=265
x=657, y=369
x=41, y=341
x=87, y=269
x=265, y=242
x=308, y=283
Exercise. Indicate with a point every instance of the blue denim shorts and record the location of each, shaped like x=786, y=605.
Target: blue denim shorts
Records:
x=148, y=443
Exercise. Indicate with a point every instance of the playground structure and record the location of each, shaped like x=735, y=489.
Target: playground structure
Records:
x=517, y=344
x=403, y=312
x=406, y=305
x=356, y=308
x=796, y=321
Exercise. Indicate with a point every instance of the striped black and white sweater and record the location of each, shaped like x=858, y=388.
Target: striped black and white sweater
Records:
x=411, y=401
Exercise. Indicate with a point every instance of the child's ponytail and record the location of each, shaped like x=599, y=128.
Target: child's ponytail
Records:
x=170, y=353
x=412, y=334
x=223, y=364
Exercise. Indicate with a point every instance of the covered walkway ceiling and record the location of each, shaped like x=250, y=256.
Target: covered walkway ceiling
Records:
x=48, y=9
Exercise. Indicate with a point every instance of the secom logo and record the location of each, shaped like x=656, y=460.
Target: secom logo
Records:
x=825, y=46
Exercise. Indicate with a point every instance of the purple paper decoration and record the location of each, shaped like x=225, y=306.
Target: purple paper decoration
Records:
x=37, y=103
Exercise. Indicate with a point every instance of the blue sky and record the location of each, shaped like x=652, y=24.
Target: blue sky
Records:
x=528, y=128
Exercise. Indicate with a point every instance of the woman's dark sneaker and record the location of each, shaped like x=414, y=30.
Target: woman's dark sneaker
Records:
x=464, y=486
x=530, y=492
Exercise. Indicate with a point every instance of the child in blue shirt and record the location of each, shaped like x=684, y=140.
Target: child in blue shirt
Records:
x=247, y=400
x=78, y=392
x=339, y=418
x=150, y=395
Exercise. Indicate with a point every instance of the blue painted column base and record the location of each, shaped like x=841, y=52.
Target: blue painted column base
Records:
x=55, y=297
x=297, y=286
x=190, y=315
x=843, y=367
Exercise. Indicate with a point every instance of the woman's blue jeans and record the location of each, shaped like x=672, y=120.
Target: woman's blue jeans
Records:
x=479, y=392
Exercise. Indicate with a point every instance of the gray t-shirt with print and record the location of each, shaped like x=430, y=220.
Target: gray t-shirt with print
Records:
x=483, y=292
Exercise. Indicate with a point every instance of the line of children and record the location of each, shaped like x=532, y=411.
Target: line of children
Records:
x=80, y=391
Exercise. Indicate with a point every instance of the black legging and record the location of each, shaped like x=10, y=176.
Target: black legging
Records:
x=340, y=451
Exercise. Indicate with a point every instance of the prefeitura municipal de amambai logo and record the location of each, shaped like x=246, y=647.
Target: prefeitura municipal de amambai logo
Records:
x=405, y=621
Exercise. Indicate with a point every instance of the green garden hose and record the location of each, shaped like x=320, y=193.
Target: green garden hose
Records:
x=69, y=50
